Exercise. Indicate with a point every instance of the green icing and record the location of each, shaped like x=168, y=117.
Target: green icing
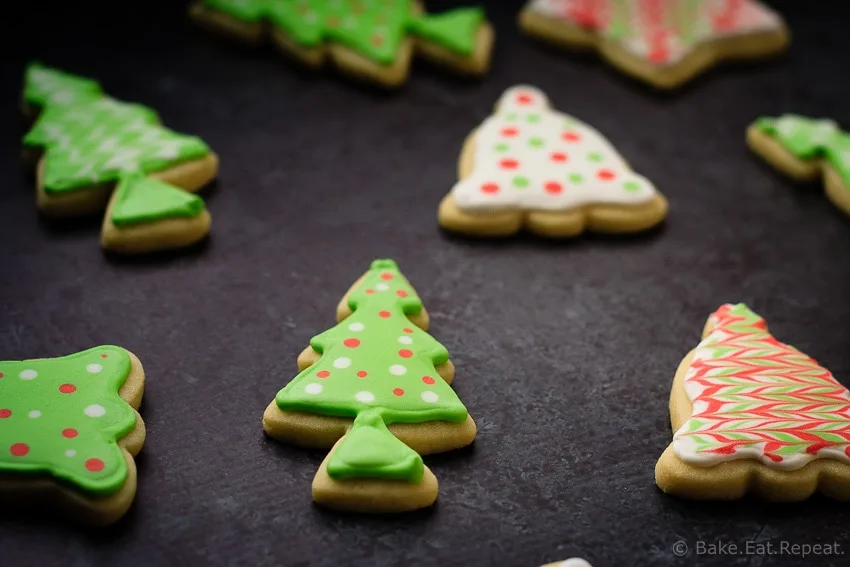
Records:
x=375, y=29
x=94, y=141
x=809, y=138
x=455, y=30
x=140, y=199
x=377, y=362
x=43, y=86
x=63, y=417
x=369, y=450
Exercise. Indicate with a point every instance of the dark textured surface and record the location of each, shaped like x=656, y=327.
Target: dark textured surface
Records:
x=564, y=353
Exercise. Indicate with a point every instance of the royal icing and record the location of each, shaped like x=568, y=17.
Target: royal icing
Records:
x=374, y=28
x=376, y=361
x=44, y=86
x=809, y=138
x=94, y=141
x=139, y=199
x=756, y=398
x=662, y=32
x=528, y=156
x=63, y=417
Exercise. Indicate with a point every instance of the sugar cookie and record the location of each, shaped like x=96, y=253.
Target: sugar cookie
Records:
x=380, y=368
x=751, y=414
x=806, y=149
x=529, y=166
x=662, y=42
x=69, y=430
x=373, y=40
x=573, y=562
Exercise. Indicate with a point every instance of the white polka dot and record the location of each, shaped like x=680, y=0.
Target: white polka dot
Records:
x=382, y=287
x=430, y=397
x=70, y=453
x=356, y=327
x=34, y=414
x=94, y=368
x=405, y=340
x=95, y=410
x=313, y=388
x=365, y=397
x=398, y=370
x=27, y=374
x=342, y=362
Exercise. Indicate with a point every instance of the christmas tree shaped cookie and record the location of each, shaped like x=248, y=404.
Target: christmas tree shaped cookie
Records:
x=806, y=149
x=69, y=431
x=375, y=389
x=752, y=414
x=662, y=42
x=373, y=40
x=531, y=167
x=84, y=142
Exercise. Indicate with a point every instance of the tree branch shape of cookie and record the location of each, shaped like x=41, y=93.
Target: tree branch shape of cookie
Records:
x=85, y=143
x=381, y=368
x=662, y=42
x=529, y=166
x=753, y=414
x=369, y=39
x=69, y=431
x=806, y=149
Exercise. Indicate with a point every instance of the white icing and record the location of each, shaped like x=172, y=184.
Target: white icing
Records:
x=430, y=397
x=561, y=163
x=574, y=562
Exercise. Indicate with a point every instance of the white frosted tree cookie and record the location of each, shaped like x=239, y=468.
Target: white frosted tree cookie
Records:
x=572, y=562
x=531, y=167
x=753, y=415
x=806, y=149
x=662, y=42
x=372, y=40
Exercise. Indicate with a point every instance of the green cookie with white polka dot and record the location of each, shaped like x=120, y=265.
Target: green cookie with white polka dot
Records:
x=375, y=389
x=69, y=431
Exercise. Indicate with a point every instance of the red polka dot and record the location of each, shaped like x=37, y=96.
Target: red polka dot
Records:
x=386, y=276
x=509, y=164
x=571, y=137
x=384, y=314
x=1, y=374
x=69, y=433
x=351, y=343
x=405, y=353
x=401, y=293
x=67, y=388
x=104, y=355
x=370, y=291
x=490, y=188
x=407, y=330
x=553, y=187
x=362, y=374
x=4, y=413
x=398, y=392
x=558, y=157
x=605, y=175
x=377, y=40
x=428, y=380
x=19, y=449
x=94, y=465
x=524, y=99
x=509, y=132
x=322, y=374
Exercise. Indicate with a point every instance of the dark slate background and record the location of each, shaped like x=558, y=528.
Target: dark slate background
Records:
x=564, y=352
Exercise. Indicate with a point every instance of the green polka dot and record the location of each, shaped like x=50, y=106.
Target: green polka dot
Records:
x=520, y=182
x=533, y=118
x=511, y=116
x=575, y=178
x=631, y=186
x=536, y=142
x=502, y=147
x=594, y=156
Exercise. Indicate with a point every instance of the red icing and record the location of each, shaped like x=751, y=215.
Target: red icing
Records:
x=553, y=187
x=428, y=380
x=69, y=433
x=322, y=374
x=351, y=343
x=398, y=392
x=490, y=188
x=384, y=314
x=362, y=374
x=67, y=388
x=570, y=137
x=509, y=132
x=401, y=293
x=407, y=330
x=19, y=449
x=386, y=276
x=4, y=413
x=509, y=164
x=524, y=99
x=605, y=174
x=558, y=157
x=94, y=465
x=405, y=353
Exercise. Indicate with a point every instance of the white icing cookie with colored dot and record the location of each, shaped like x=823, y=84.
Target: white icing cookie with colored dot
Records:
x=529, y=166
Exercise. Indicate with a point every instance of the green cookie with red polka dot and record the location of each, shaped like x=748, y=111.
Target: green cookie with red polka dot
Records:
x=375, y=389
x=69, y=431
x=373, y=40
x=529, y=167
